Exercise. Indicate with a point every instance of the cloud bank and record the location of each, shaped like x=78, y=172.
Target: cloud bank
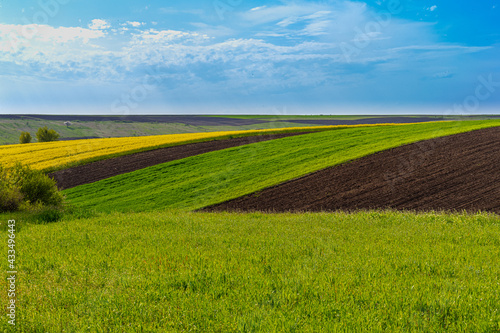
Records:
x=325, y=53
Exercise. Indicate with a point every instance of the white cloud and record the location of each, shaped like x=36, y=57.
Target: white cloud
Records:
x=270, y=34
x=319, y=14
x=280, y=13
x=42, y=51
x=213, y=31
x=135, y=24
x=176, y=48
x=300, y=20
x=99, y=24
x=317, y=28
x=288, y=21
x=168, y=36
x=15, y=37
x=432, y=8
x=305, y=45
x=121, y=31
x=442, y=47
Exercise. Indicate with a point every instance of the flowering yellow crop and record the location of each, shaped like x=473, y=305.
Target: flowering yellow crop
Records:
x=58, y=154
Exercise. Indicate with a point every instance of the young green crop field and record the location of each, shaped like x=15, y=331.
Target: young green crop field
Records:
x=211, y=178
x=50, y=156
x=172, y=271
x=129, y=255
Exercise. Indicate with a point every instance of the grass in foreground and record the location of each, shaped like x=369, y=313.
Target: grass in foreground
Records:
x=211, y=178
x=174, y=271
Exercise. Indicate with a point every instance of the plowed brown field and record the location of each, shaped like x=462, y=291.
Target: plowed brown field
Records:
x=95, y=171
x=454, y=173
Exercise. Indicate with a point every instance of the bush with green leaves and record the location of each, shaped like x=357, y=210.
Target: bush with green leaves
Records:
x=22, y=187
x=25, y=137
x=10, y=198
x=46, y=135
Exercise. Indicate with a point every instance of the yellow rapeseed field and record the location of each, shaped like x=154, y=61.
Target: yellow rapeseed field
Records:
x=60, y=154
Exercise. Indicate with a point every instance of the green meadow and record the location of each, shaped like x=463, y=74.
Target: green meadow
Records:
x=173, y=271
x=211, y=178
x=128, y=254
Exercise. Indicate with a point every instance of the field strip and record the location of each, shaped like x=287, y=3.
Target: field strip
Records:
x=51, y=156
x=458, y=172
x=95, y=171
x=211, y=178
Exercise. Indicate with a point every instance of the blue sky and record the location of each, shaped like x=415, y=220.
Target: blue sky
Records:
x=243, y=56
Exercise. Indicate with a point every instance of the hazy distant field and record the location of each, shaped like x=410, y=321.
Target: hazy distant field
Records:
x=103, y=127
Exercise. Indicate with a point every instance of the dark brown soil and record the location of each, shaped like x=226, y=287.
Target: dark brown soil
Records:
x=454, y=173
x=95, y=171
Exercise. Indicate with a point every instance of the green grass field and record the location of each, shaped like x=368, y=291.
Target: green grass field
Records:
x=200, y=272
x=211, y=178
x=172, y=270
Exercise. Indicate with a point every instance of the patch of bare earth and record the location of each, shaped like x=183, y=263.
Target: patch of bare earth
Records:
x=453, y=173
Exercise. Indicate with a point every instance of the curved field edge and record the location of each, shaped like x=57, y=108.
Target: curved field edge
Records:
x=54, y=156
x=203, y=180
x=450, y=173
x=95, y=171
x=174, y=271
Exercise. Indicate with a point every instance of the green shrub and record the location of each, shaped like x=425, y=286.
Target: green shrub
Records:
x=36, y=186
x=10, y=198
x=22, y=188
x=25, y=137
x=46, y=135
